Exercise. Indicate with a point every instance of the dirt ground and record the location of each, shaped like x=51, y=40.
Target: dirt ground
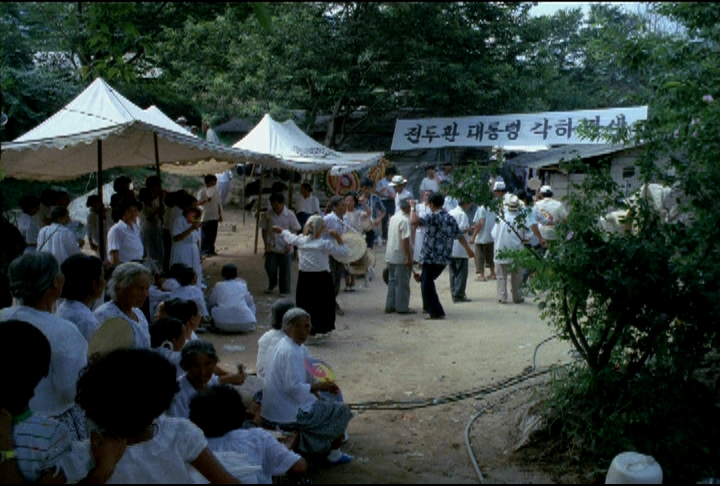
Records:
x=422, y=391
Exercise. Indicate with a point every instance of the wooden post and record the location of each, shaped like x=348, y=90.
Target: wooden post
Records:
x=101, y=238
x=259, y=206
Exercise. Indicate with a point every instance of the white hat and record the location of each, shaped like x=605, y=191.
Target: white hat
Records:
x=545, y=189
x=181, y=119
x=397, y=180
x=499, y=186
x=512, y=203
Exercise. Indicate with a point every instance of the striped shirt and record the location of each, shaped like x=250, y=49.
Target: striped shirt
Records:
x=41, y=444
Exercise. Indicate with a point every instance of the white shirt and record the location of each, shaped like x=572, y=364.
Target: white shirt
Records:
x=80, y=315
x=333, y=222
x=313, y=252
x=310, y=204
x=405, y=193
x=286, y=388
x=59, y=241
x=261, y=448
x=55, y=393
x=191, y=292
x=266, y=345
x=164, y=459
x=211, y=209
x=140, y=327
x=555, y=212
x=432, y=185
x=505, y=238
x=398, y=230
x=484, y=236
x=464, y=223
x=232, y=306
x=127, y=240
x=382, y=185
x=29, y=228
x=180, y=406
x=286, y=220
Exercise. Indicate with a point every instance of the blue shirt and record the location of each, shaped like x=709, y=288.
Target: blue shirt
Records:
x=441, y=230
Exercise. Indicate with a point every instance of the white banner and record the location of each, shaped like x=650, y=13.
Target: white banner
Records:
x=550, y=128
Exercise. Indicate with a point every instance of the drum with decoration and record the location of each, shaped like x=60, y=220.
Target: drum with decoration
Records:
x=343, y=184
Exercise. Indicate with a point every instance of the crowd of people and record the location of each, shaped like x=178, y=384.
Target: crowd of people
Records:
x=103, y=329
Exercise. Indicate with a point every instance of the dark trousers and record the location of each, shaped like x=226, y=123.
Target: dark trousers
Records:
x=458, y=270
x=336, y=270
x=278, y=264
x=209, y=236
x=389, y=211
x=431, y=301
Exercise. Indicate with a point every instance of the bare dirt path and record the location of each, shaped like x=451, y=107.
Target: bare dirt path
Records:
x=402, y=358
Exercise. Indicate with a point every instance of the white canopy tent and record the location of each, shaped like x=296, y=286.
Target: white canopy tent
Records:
x=292, y=149
x=101, y=129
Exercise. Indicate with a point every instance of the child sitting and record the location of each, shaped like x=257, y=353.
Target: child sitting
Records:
x=36, y=447
x=187, y=278
x=124, y=394
x=219, y=412
x=231, y=303
x=185, y=310
x=167, y=338
x=199, y=359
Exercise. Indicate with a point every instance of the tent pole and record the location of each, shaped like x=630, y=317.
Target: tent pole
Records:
x=157, y=171
x=101, y=242
x=257, y=214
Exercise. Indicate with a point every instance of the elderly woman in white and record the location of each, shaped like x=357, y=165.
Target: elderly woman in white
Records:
x=315, y=286
x=36, y=283
x=231, y=304
x=128, y=288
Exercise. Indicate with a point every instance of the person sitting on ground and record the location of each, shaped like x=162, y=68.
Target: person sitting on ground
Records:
x=231, y=304
x=219, y=411
x=267, y=341
x=84, y=285
x=187, y=278
x=185, y=310
x=57, y=238
x=36, y=447
x=292, y=401
x=125, y=394
x=198, y=359
x=167, y=338
x=128, y=289
x=27, y=223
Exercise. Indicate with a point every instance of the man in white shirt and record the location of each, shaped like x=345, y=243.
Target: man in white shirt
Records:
x=210, y=134
x=209, y=198
x=334, y=221
x=554, y=211
x=277, y=253
x=56, y=238
x=307, y=204
x=387, y=196
x=431, y=182
x=458, y=266
x=399, y=183
x=399, y=259
x=291, y=398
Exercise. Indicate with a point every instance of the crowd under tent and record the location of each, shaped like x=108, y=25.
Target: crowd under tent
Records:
x=101, y=129
x=290, y=148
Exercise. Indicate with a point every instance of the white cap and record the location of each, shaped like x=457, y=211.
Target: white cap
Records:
x=499, y=186
x=545, y=189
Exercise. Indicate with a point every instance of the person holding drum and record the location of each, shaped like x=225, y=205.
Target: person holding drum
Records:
x=315, y=285
x=357, y=219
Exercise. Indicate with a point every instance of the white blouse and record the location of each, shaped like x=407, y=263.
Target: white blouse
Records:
x=313, y=252
x=127, y=241
x=140, y=328
x=80, y=315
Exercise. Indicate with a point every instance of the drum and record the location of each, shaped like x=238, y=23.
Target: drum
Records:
x=357, y=245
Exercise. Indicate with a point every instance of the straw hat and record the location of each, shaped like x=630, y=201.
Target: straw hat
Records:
x=398, y=180
x=513, y=203
x=114, y=333
x=357, y=245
